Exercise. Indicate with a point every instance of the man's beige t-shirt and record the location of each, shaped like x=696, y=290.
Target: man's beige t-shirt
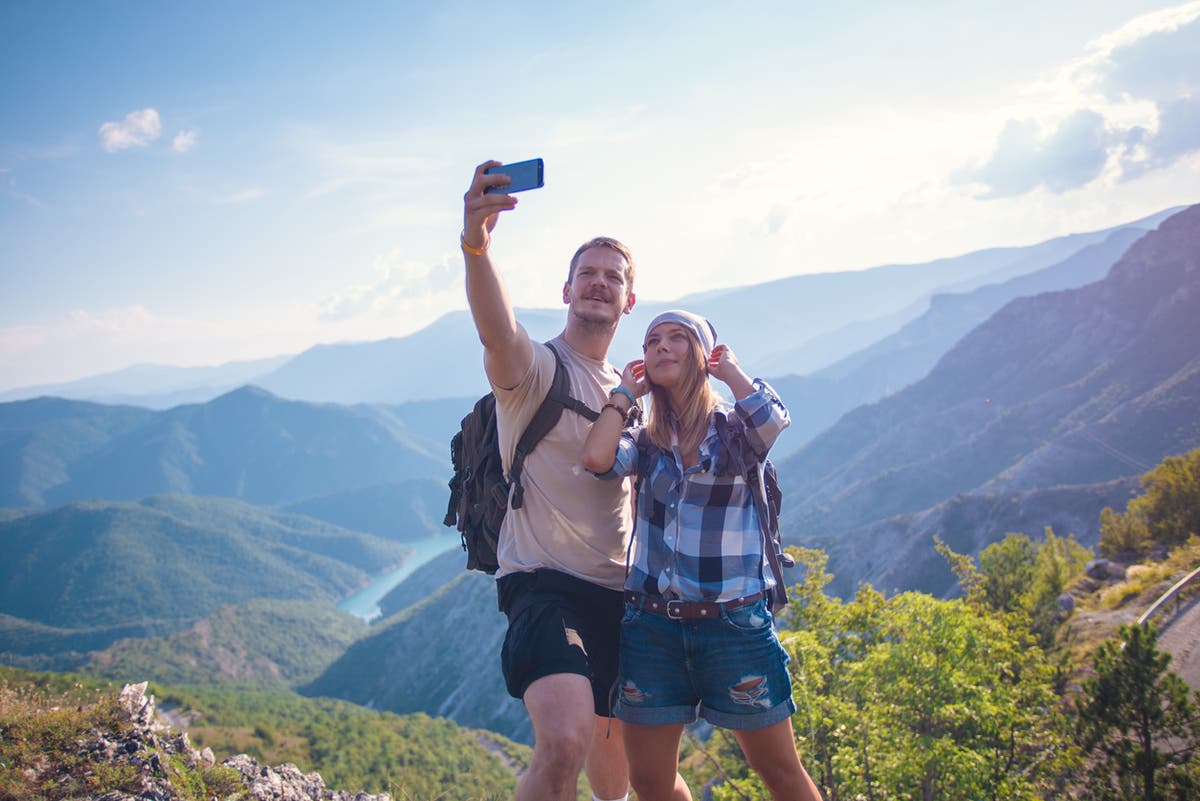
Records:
x=570, y=521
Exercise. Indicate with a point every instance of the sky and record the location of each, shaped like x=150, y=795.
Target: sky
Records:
x=193, y=183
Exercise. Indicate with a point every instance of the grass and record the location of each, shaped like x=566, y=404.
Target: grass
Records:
x=44, y=754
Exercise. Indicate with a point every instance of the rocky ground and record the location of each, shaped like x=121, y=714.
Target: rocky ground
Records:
x=165, y=761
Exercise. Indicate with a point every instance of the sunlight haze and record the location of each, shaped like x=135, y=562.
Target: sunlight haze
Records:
x=195, y=183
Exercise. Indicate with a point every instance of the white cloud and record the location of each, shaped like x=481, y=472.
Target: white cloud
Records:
x=1066, y=157
x=138, y=129
x=400, y=286
x=1131, y=104
x=183, y=141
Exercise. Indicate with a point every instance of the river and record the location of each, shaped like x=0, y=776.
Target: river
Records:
x=365, y=602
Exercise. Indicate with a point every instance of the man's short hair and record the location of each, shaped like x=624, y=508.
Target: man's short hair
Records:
x=606, y=242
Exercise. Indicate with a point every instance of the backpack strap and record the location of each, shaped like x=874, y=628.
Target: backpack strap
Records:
x=736, y=446
x=545, y=418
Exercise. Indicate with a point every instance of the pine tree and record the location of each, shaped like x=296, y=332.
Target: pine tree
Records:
x=1138, y=723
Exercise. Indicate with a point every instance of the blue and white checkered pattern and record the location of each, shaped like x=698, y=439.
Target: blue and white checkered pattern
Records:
x=697, y=536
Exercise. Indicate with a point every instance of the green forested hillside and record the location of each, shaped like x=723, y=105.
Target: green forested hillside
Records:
x=246, y=444
x=170, y=560
x=260, y=642
x=41, y=438
x=440, y=656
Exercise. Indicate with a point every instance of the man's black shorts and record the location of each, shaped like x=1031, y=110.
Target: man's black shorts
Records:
x=560, y=624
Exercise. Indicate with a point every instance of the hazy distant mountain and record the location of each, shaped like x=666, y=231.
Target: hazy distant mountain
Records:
x=154, y=386
x=441, y=360
x=246, y=444
x=789, y=326
x=861, y=307
x=1073, y=387
x=102, y=566
x=908, y=355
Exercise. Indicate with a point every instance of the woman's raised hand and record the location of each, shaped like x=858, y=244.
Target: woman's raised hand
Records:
x=633, y=378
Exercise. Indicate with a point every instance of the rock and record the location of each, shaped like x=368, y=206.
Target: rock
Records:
x=149, y=746
x=1105, y=570
x=1066, y=605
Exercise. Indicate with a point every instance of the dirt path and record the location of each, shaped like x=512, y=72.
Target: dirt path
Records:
x=1181, y=638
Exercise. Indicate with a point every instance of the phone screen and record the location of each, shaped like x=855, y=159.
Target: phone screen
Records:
x=524, y=174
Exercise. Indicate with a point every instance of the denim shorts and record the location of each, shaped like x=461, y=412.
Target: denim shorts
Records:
x=732, y=671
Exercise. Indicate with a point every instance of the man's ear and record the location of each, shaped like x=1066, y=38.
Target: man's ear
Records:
x=567, y=293
x=629, y=303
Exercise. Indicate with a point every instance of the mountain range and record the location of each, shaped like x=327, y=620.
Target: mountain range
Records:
x=1074, y=387
x=246, y=444
x=79, y=577
x=790, y=326
x=1007, y=390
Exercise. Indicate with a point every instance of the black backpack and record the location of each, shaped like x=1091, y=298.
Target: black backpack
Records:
x=764, y=485
x=478, y=490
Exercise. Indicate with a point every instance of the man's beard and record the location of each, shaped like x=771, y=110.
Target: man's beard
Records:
x=594, y=323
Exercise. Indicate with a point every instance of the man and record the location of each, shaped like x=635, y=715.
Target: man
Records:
x=562, y=554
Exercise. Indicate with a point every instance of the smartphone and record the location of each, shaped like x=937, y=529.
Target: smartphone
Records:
x=525, y=175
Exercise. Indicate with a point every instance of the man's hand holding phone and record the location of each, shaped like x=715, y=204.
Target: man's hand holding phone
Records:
x=490, y=194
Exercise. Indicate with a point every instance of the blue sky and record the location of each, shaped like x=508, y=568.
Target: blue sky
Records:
x=199, y=182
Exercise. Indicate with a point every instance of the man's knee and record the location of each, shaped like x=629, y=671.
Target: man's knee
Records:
x=561, y=755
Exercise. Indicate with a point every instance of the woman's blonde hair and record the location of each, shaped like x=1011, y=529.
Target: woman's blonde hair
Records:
x=690, y=423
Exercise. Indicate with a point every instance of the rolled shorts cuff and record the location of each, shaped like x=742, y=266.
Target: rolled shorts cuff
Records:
x=655, y=716
x=743, y=721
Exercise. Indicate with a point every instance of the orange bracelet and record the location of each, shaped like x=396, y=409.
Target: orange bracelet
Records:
x=462, y=238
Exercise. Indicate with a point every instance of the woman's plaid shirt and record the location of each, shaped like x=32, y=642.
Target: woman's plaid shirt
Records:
x=697, y=535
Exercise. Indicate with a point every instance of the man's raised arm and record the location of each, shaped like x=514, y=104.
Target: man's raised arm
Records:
x=507, y=350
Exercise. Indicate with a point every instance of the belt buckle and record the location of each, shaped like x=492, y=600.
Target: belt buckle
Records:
x=673, y=608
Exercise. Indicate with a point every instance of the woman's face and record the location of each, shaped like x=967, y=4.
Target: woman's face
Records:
x=667, y=354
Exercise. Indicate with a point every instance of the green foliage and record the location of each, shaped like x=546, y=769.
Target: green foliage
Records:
x=914, y=697
x=1139, y=723
x=204, y=782
x=1122, y=533
x=1008, y=568
x=1059, y=560
x=1020, y=579
x=1166, y=513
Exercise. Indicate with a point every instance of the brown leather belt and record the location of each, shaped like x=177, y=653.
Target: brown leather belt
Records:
x=687, y=610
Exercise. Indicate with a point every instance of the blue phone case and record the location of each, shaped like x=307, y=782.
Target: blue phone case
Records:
x=524, y=174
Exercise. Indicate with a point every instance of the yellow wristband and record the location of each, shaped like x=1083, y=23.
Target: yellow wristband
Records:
x=462, y=238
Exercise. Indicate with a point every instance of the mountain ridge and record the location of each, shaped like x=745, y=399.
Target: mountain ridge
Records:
x=1022, y=400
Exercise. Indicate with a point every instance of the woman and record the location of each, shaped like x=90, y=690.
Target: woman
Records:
x=697, y=631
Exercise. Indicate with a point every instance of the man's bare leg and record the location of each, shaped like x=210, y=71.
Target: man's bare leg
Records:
x=563, y=715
